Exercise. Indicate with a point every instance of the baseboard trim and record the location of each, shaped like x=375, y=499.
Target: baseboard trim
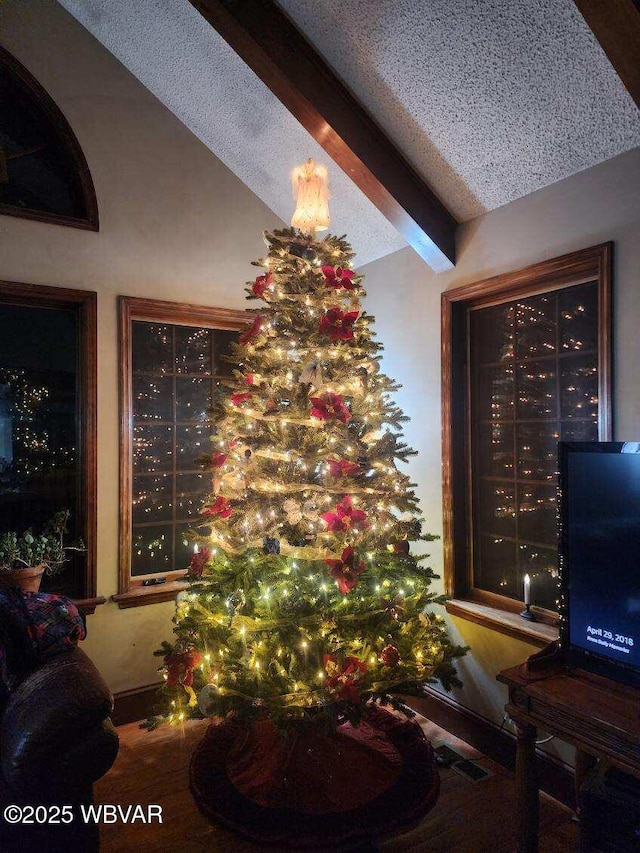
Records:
x=555, y=777
x=131, y=706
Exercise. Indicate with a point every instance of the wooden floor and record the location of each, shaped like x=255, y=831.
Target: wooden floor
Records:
x=469, y=817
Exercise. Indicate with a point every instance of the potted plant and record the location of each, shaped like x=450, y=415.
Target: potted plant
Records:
x=24, y=559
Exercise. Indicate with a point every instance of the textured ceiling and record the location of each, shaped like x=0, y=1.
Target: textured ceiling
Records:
x=488, y=99
x=177, y=55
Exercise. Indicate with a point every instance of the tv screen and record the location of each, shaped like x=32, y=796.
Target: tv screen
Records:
x=600, y=557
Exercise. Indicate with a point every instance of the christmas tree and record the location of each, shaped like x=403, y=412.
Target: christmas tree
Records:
x=304, y=591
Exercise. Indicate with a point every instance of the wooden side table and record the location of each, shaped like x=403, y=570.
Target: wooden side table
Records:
x=599, y=717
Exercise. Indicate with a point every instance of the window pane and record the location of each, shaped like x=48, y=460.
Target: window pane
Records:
x=579, y=318
x=497, y=508
x=151, y=348
x=153, y=398
x=495, y=393
x=152, y=549
x=494, y=334
x=580, y=387
x=537, y=451
x=193, y=350
x=536, y=326
x=495, y=450
x=191, y=490
x=495, y=566
x=152, y=447
x=536, y=385
x=152, y=498
x=192, y=441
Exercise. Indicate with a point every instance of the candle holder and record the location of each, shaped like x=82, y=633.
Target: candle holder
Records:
x=527, y=614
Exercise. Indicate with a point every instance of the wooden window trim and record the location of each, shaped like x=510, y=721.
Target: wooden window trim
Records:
x=591, y=264
x=131, y=593
x=84, y=303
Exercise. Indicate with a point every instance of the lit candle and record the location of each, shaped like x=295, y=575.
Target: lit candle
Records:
x=196, y=549
x=527, y=590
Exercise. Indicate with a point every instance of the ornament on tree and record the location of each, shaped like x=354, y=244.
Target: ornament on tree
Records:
x=296, y=511
x=390, y=656
x=237, y=600
x=311, y=374
x=271, y=545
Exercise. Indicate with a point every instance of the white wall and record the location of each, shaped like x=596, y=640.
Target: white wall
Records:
x=591, y=207
x=175, y=224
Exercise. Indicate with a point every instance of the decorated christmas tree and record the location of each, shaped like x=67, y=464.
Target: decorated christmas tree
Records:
x=307, y=588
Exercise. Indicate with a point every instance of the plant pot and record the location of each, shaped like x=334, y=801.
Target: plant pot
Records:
x=28, y=579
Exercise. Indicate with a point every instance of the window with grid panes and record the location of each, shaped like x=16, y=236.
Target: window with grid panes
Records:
x=526, y=363
x=533, y=381
x=172, y=370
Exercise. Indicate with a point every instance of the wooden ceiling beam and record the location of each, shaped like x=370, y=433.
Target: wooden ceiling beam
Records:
x=272, y=46
x=616, y=25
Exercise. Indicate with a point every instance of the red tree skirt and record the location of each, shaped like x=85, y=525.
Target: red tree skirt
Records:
x=315, y=789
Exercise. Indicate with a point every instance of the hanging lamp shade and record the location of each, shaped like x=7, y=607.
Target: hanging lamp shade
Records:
x=311, y=192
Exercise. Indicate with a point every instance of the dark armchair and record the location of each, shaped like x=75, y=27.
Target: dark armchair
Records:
x=56, y=740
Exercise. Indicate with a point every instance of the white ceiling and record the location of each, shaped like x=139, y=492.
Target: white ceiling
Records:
x=488, y=99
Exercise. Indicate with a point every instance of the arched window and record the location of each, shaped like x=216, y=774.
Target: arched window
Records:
x=43, y=172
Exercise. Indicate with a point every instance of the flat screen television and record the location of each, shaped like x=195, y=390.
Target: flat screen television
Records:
x=599, y=557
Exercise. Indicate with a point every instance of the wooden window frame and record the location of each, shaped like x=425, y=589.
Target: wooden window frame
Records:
x=62, y=131
x=131, y=592
x=84, y=304
x=587, y=265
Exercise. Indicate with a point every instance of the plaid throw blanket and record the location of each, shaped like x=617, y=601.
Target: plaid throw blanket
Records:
x=33, y=628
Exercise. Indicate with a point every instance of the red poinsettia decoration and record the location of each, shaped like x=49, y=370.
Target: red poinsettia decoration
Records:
x=198, y=560
x=338, y=277
x=337, y=324
x=344, y=516
x=252, y=331
x=262, y=283
x=343, y=468
x=218, y=459
x=343, y=676
x=220, y=507
x=346, y=570
x=329, y=406
x=180, y=666
x=238, y=399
